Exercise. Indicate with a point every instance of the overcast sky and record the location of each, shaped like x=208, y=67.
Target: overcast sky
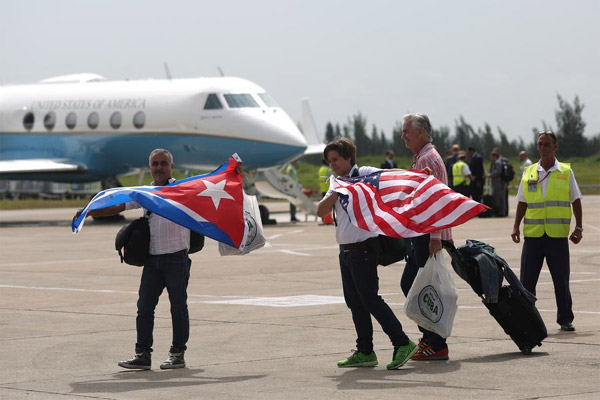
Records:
x=500, y=62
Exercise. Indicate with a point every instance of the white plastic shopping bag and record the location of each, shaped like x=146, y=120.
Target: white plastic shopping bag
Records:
x=432, y=300
x=256, y=236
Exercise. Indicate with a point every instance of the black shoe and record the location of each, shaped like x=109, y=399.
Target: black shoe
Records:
x=568, y=327
x=142, y=360
x=175, y=360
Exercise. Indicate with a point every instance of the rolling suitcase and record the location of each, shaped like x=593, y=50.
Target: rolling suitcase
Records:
x=512, y=306
x=519, y=318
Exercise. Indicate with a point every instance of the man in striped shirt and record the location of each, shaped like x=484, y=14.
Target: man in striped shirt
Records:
x=416, y=133
x=168, y=266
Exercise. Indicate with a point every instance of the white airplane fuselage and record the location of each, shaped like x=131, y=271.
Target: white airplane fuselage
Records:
x=84, y=132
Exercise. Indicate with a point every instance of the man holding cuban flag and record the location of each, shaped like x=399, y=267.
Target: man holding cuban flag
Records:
x=210, y=204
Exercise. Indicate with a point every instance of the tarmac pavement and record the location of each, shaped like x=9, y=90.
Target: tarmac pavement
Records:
x=268, y=325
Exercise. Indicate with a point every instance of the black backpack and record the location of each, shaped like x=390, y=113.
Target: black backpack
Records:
x=392, y=250
x=134, y=241
x=507, y=173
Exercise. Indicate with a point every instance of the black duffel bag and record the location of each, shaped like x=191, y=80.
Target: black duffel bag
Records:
x=133, y=242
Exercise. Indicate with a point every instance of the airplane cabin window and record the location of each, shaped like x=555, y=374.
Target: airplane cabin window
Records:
x=115, y=120
x=240, y=100
x=212, y=102
x=268, y=100
x=71, y=120
x=93, y=120
x=50, y=120
x=139, y=119
x=28, y=121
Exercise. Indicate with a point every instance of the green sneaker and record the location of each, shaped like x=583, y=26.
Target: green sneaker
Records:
x=358, y=359
x=402, y=354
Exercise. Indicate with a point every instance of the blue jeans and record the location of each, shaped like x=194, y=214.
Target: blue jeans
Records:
x=361, y=287
x=173, y=272
x=419, y=253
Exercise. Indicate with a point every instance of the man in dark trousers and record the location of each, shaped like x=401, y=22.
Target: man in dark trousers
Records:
x=389, y=162
x=503, y=161
x=358, y=258
x=416, y=133
x=476, y=166
x=547, y=192
x=168, y=266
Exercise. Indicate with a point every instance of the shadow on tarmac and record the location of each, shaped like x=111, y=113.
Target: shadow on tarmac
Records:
x=128, y=381
x=378, y=379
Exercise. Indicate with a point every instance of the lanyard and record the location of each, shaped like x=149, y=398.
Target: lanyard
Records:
x=543, y=179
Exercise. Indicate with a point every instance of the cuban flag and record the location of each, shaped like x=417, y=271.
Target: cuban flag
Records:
x=403, y=203
x=211, y=204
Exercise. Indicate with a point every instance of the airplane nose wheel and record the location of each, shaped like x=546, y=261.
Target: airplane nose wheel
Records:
x=264, y=215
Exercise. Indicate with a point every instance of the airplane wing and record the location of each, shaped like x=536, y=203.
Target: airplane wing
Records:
x=40, y=165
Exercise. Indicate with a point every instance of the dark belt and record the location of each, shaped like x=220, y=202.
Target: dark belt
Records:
x=369, y=244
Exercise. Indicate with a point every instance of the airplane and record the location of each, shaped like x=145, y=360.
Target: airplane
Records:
x=86, y=128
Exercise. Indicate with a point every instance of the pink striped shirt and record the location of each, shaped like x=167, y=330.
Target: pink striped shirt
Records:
x=429, y=157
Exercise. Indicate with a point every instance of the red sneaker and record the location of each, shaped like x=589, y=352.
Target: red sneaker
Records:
x=422, y=343
x=428, y=354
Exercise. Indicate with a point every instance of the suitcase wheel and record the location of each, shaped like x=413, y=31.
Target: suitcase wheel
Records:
x=526, y=350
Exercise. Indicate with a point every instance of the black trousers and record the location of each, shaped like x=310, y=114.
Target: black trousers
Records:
x=173, y=272
x=462, y=189
x=477, y=190
x=417, y=258
x=361, y=293
x=556, y=253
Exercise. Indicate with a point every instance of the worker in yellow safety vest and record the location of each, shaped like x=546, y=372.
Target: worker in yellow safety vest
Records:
x=547, y=192
x=461, y=175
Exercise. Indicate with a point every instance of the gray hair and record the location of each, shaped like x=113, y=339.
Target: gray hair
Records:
x=156, y=151
x=419, y=120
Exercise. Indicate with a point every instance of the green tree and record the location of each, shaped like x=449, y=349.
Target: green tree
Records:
x=359, y=129
x=571, y=126
x=329, y=133
x=441, y=139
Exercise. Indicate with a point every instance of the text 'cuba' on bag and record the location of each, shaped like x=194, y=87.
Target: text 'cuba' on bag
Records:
x=432, y=300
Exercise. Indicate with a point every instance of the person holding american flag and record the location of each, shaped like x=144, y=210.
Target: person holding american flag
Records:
x=416, y=133
x=359, y=252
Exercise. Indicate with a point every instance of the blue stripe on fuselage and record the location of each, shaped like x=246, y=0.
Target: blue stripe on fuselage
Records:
x=110, y=155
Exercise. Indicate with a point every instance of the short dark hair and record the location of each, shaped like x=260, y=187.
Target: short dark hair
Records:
x=471, y=148
x=549, y=133
x=344, y=146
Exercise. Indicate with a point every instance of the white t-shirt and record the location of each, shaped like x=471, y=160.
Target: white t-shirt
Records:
x=345, y=232
x=165, y=236
x=574, y=191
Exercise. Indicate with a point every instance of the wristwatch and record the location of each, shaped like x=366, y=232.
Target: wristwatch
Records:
x=579, y=228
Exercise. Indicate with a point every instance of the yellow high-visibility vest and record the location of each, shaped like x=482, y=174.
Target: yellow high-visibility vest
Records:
x=324, y=173
x=457, y=173
x=551, y=215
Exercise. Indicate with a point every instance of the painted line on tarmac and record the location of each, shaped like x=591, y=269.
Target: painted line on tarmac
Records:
x=278, y=235
x=55, y=262
x=296, y=253
x=100, y=291
x=282, y=301
x=591, y=226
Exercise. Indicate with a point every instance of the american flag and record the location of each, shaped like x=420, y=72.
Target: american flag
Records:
x=403, y=203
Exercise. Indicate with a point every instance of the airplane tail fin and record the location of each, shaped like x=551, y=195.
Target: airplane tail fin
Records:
x=309, y=128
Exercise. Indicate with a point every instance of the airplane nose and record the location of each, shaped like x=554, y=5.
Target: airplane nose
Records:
x=285, y=129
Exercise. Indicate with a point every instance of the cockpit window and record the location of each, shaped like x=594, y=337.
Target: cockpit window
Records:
x=268, y=100
x=212, y=102
x=240, y=100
